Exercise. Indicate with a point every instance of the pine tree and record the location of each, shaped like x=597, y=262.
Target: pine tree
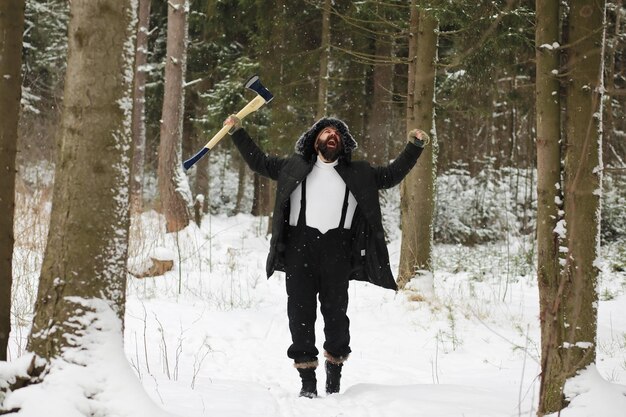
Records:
x=173, y=186
x=85, y=259
x=11, y=32
x=44, y=56
x=418, y=188
x=548, y=192
x=139, y=106
x=569, y=306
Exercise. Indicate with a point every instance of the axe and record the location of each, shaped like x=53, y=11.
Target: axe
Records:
x=263, y=96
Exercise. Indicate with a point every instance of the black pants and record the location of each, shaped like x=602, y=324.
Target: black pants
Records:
x=317, y=263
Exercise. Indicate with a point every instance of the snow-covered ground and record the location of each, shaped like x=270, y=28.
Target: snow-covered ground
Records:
x=210, y=337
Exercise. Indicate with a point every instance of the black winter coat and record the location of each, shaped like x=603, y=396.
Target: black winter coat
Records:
x=370, y=260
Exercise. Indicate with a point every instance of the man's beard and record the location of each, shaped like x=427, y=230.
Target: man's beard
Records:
x=329, y=154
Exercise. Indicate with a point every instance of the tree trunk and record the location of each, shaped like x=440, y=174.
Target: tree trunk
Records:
x=572, y=338
x=196, y=141
x=610, y=141
x=262, y=203
x=173, y=187
x=418, y=188
x=85, y=257
x=322, y=92
x=11, y=32
x=379, y=131
x=548, y=107
x=241, y=182
x=202, y=183
x=139, y=107
x=583, y=179
x=275, y=62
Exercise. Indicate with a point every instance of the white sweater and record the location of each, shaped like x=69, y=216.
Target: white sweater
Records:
x=325, y=191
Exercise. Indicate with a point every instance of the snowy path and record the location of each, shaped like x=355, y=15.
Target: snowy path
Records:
x=248, y=375
x=219, y=348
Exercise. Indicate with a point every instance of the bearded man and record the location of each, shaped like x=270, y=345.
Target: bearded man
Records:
x=326, y=230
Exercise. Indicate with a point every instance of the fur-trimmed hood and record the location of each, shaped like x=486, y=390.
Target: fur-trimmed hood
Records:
x=306, y=142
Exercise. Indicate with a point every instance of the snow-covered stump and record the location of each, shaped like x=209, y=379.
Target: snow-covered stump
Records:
x=421, y=287
x=161, y=260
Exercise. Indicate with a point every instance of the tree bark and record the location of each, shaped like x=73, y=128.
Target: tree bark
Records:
x=583, y=179
x=11, y=33
x=196, y=141
x=139, y=107
x=418, y=188
x=548, y=105
x=322, y=92
x=241, y=182
x=572, y=338
x=275, y=62
x=611, y=143
x=173, y=186
x=85, y=257
x=379, y=133
x=202, y=180
x=262, y=203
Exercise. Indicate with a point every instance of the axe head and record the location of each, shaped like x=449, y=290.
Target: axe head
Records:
x=255, y=85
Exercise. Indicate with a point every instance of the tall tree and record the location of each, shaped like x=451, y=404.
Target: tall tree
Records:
x=614, y=146
x=583, y=179
x=11, y=32
x=322, y=92
x=139, y=106
x=572, y=342
x=379, y=133
x=273, y=69
x=485, y=47
x=548, y=105
x=173, y=187
x=44, y=56
x=418, y=188
x=85, y=257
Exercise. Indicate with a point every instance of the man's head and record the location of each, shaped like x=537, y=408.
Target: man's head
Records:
x=328, y=144
x=328, y=137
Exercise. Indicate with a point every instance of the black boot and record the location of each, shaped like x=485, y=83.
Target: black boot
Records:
x=309, y=382
x=333, y=377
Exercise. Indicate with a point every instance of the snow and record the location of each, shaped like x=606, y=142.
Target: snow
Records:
x=163, y=254
x=92, y=378
x=10, y=371
x=209, y=338
x=554, y=45
x=581, y=345
x=561, y=229
x=422, y=283
x=590, y=395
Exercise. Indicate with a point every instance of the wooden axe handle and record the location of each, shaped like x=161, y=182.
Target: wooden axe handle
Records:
x=252, y=106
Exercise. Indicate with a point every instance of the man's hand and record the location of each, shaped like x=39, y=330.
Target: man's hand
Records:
x=234, y=122
x=419, y=137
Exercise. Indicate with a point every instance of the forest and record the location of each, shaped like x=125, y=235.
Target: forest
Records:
x=484, y=106
x=143, y=283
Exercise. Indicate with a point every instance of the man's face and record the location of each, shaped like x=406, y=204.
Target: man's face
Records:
x=328, y=144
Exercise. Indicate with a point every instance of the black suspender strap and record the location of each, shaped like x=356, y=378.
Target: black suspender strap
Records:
x=302, y=215
x=344, y=209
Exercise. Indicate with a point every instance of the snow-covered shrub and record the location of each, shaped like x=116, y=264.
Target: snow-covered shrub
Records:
x=484, y=208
